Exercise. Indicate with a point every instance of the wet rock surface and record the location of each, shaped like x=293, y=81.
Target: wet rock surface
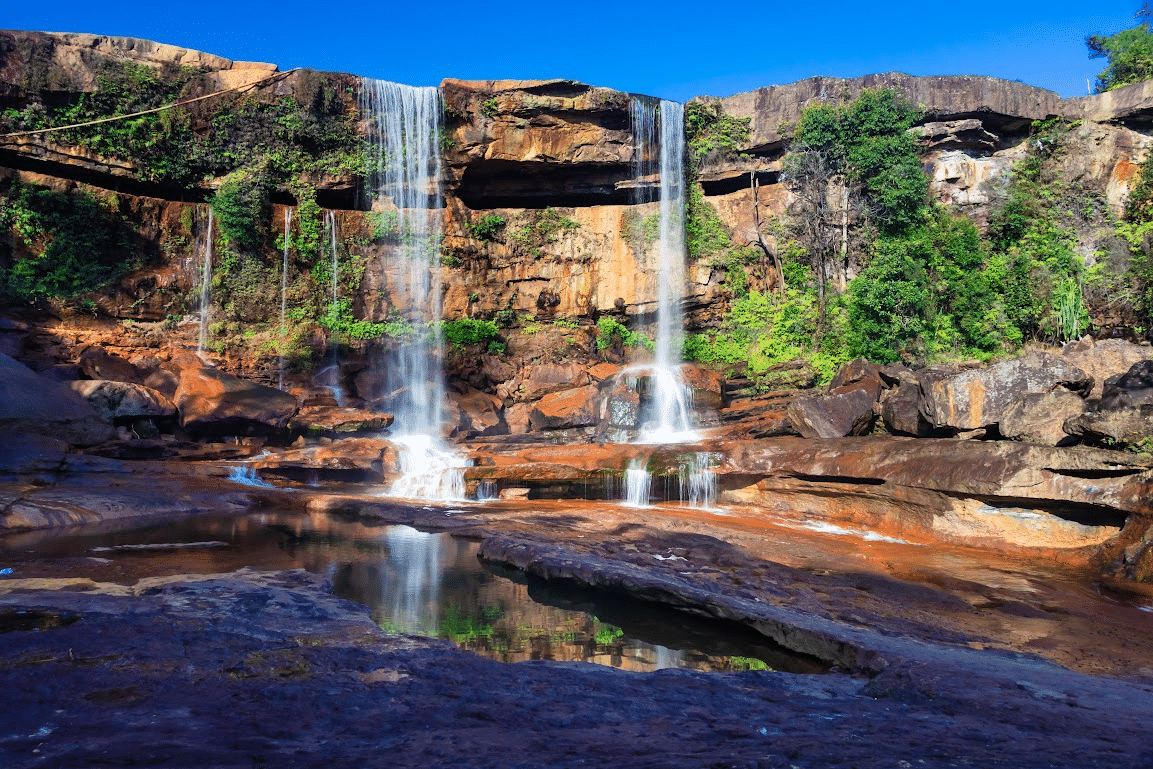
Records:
x=227, y=669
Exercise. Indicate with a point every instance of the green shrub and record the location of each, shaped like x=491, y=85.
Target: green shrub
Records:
x=487, y=227
x=469, y=331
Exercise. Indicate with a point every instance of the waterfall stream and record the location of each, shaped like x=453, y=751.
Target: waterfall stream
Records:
x=205, y=286
x=404, y=129
x=658, y=130
x=284, y=295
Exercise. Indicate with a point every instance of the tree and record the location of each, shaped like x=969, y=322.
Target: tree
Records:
x=1129, y=52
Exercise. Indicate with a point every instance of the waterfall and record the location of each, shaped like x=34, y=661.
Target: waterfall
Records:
x=699, y=482
x=659, y=137
x=404, y=129
x=205, y=285
x=637, y=483
x=284, y=294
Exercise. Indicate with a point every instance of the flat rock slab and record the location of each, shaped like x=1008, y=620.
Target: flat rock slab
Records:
x=240, y=668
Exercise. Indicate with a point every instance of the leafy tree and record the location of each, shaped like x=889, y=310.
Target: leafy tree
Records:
x=1129, y=52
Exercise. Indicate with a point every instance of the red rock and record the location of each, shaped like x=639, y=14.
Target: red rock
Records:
x=578, y=407
x=212, y=402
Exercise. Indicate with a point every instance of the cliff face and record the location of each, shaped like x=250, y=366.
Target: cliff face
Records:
x=538, y=176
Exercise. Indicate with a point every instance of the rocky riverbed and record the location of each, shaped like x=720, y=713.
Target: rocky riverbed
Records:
x=942, y=655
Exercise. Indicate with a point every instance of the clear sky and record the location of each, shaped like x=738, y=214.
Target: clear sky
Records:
x=672, y=50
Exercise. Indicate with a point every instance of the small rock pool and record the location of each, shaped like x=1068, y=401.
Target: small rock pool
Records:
x=415, y=582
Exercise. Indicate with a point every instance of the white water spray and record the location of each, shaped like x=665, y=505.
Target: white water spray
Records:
x=205, y=286
x=637, y=481
x=699, y=482
x=660, y=146
x=284, y=295
x=404, y=126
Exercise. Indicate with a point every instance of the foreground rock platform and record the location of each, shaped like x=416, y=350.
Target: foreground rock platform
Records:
x=269, y=667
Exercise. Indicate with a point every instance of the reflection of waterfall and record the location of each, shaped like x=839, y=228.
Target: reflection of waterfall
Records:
x=284, y=295
x=415, y=561
x=658, y=130
x=404, y=126
x=205, y=284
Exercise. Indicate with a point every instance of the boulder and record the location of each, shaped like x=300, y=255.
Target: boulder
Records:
x=117, y=400
x=708, y=387
x=334, y=421
x=577, y=407
x=478, y=412
x=548, y=378
x=32, y=404
x=1124, y=414
x=212, y=402
x=516, y=417
x=349, y=459
x=1133, y=388
x=1104, y=359
x=1040, y=417
x=858, y=374
x=98, y=363
x=833, y=416
x=980, y=397
x=1115, y=427
x=901, y=412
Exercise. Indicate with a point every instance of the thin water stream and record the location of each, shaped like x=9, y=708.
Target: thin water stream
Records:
x=415, y=582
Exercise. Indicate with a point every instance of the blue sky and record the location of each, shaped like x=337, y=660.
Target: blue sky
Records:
x=671, y=50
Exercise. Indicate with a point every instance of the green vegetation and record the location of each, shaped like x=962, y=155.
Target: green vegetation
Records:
x=469, y=331
x=487, y=227
x=611, y=332
x=542, y=227
x=75, y=243
x=709, y=132
x=1129, y=53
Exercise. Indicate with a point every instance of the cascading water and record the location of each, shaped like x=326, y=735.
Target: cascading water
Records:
x=205, y=286
x=284, y=295
x=331, y=374
x=637, y=481
x=698, y=481
x=658, y=130
x=404, y=123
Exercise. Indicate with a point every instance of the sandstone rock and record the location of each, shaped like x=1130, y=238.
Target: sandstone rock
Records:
x=97, y=363
x=349, y=459
x=1104, y=359
x=1133, y=388
x=708, y=387
x=1040, y=417
x=212, y=402
x=956, y=134
x=119, y=400
x=980, y=397
x=550, y=378
x=578, y=407
x=833, y=416
x=30, y=454
x=516, y=417
x=479, y=412
x=858, y=374
x=791, y=375
x=623, y=407
x=33, y=404
x=599, y=372
x=1117, y=427
x=334, y=421
x=901, y=412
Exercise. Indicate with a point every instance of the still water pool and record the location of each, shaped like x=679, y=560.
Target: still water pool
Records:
x=423, y=583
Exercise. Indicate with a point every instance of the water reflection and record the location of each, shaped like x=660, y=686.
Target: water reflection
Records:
x=429, y=584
